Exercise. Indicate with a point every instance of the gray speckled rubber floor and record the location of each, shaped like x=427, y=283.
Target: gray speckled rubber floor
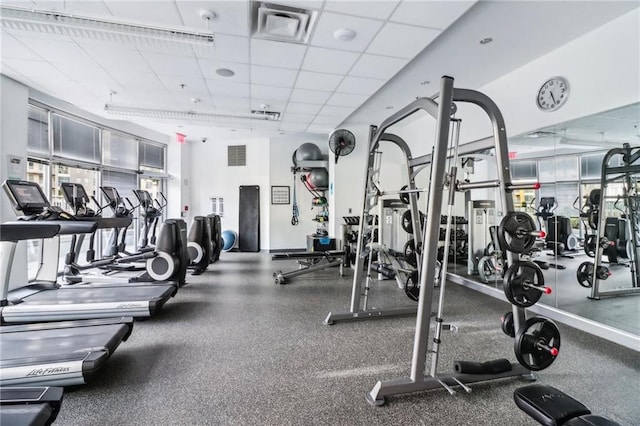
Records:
x=233, y=348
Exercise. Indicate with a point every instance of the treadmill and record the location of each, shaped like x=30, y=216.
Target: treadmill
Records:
x=44, y=299
x=33, y=406
x=54, y=353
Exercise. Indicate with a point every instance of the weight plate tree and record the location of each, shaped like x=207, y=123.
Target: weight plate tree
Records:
x=524, y=284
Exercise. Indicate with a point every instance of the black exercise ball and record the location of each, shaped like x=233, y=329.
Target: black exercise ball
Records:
x=307, y=152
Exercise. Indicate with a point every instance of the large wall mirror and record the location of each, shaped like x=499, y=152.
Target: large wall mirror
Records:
x=591, y=255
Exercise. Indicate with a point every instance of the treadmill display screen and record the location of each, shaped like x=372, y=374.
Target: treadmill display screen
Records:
x=27, y=195
x=80, y=194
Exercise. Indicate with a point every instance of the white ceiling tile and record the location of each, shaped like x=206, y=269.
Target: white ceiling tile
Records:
x=270, y=92
x=298, y=108
x=365, y=30
x=322, y=129
x=58, y=51
x=191, y=86
x=208, y=68
x=402, y=41
x=232, y=104
x=326, y=120
x=115, y=58
x=276, y=54
x=372, y=9
x=335, y=111
x=225, y=88
x=146, y=81
x=347, y=99
x=270, y=104
x=309, y=96
x=172, y=65
x=232, y=17
x=432, y=14
x=330, y=61
x=293, y=127
x=373, y=66
x=13, y=49
x=289, y=117
x=315, y=80
x=158, y=13
x=38, y=70
x=231, y=48
x=78, y=7
x=359, y=85
x=273, y=76
x=301, y=4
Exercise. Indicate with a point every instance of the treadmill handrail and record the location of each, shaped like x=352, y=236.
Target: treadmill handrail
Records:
x=20, y=231
x=67, y=227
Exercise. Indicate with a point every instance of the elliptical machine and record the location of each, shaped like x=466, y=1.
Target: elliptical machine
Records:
x=560, y=237
x=151, y=215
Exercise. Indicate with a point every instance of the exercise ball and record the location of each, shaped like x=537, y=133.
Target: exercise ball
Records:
x=318, y=178
x=308, y=152
x=229, y=239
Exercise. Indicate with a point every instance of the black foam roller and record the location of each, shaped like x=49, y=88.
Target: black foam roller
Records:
x=496, y=366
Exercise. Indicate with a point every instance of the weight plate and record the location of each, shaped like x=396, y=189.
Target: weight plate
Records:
x=514, y=232
x=537, y=343
x=407, y=223
x=590, y=245
x=410, y=255
x=520, y=282
x=412, y=286
x=584, y=274
x=602, y=272
x=506, y=323
x=486, y=269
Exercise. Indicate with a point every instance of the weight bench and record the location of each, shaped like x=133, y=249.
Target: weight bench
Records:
x=312, y=262
x=551, y=407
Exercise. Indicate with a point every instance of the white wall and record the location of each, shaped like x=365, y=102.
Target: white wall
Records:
x=209, y=176
x=14, y=98
x=178, y=184
x=283, y=235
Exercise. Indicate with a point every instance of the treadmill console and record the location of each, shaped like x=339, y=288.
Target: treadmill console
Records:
x=29, y=199
x=115, y=201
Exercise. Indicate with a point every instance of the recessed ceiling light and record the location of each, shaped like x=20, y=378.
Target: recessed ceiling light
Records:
x=486, y=40
x=344, y=34
x=225, y=72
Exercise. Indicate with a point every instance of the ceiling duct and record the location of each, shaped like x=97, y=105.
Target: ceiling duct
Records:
x=283, y=23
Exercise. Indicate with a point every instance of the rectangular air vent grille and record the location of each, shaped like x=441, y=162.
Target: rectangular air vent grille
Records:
x=236, y=155
x=283, y=23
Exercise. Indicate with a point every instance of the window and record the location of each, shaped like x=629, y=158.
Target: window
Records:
x=38, y=131
x=75, y=140
x=151, y=156
x=119, y=150
x=523, y=170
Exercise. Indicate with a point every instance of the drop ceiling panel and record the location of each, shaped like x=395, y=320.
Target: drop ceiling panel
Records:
x=270, y=92
x=372, y=9
x=225, y=88
x=290, y=117
x=373, y=66
x=158, y=13
x=293, y=127
x=365, y=29
x=208, y=68
x=173, y=65
x=326, y=120
x=335, y=111
x=232, y=17
x=273, y=76
x=317, y=128
x=192, y=85
x=38, y=70
x=83, y=8
x=432, y=14
x=227, y=103
x=58, y=51
x=276, y=54
x=347, y=100
x=359, y=85
x=309, y=96
x=270, y=104
x=115, y=58
x=12, y=48
x=146, y=81
x=299, y=108
x=231, y=48
x=315, y=80
x=402, y=41
x=301, y=4
x=329, y=61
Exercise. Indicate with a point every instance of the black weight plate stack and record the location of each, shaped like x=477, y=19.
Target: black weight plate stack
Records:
x=537, y=343
x=519, y=281
x=410, y=252
x=506, y=323
x=514, y=232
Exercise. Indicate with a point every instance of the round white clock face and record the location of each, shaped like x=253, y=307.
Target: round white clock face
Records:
x=553, y=94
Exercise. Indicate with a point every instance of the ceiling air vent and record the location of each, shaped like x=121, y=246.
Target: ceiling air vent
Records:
x=263, y=114
x=236, y=155
x=283, y=23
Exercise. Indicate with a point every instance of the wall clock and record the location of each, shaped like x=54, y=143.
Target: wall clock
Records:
x=553, y=94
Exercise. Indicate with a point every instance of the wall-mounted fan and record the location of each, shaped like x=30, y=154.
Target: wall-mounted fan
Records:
x=341, y=142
